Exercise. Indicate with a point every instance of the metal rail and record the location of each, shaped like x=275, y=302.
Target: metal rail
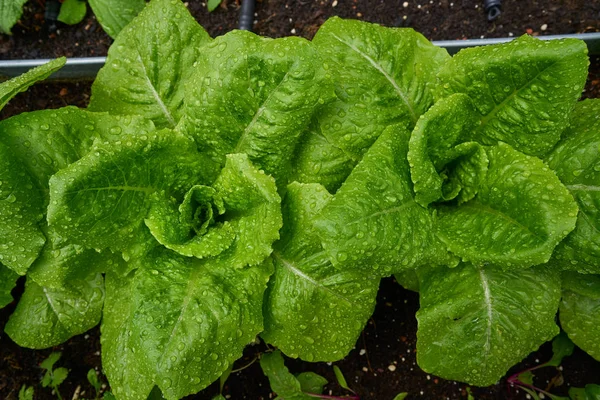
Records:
x=87, y=67
x=454, y=46
x=84, y=68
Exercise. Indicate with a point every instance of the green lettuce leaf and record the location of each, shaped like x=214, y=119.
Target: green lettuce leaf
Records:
x=408, y=279
x=47, y=141
x=514, y=86
x=101, y=200
x=72, y=12
x=61, y=262
x=8, y=280
x=373, y=222
x=150, y=64
x=38, y=145
x=114, y=15
x=178, y=323
x=443, y=163
x=312, y=309
x=256, y=96
x=10, y=12
x=521, y=212
x=21, y=203
x=580, y=311
x=576, y=161
x=47, y=317
x=240, y=212
x=12, y=87
x=21, y=209
x=189, y=228
x=382, y=76
x=475, y=323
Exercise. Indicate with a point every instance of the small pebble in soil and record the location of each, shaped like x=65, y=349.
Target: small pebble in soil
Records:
x=405, y=4
x=392, y=367
x=334, y=3
x=544, y=27
x=363, y=352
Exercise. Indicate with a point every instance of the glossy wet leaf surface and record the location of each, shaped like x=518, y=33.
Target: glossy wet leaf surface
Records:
x=256, y=96
x=475, y=323
x=373, y=222
x=238, y=215
x=101, y=200
x=521, y=212
x=382, y=76
x=150, y=64
x=181, y=324
x=47, y=141
x=580, y=311
x=313, y=310
x=524, y=89
x=444, y=163
x=46, y=317
x=576, y=161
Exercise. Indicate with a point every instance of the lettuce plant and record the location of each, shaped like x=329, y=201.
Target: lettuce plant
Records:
x=219, y=189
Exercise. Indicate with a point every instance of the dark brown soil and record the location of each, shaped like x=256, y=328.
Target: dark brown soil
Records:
x=383, y=363
x=436, y=19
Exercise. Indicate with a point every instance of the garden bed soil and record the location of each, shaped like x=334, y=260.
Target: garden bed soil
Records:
x=436, y=19
x=383, y=363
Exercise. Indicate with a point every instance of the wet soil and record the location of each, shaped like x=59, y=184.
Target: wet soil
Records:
x=383, y=363
x=436, y=19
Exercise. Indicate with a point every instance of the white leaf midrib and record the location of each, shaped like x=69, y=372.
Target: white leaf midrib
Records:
x=387, y=76
x=300, y=274
x=489, y=308
x=155, y=94
x=583, y=188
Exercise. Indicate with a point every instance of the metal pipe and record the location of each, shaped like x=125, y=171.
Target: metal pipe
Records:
x=493, y=9
x=246, y=22
x=454, y=46
x=88, y=67
x=51, y=14
x=75, y=68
